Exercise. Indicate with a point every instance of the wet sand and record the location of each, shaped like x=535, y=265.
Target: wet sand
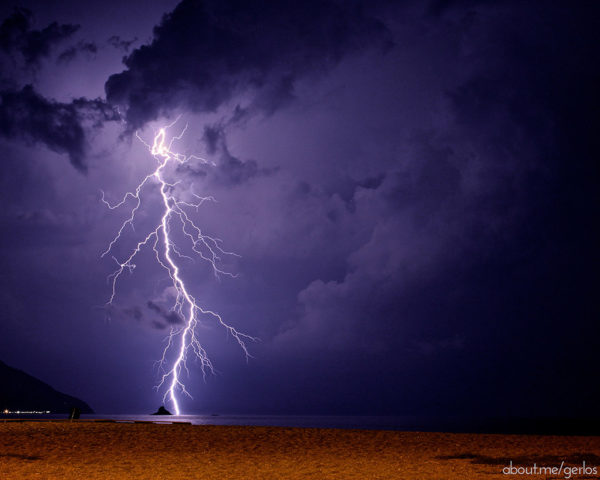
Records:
x=89, y=450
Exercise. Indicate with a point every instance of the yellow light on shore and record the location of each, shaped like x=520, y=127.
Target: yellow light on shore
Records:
x=26, y=412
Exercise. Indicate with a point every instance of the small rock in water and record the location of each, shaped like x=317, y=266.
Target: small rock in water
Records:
x=162, y=411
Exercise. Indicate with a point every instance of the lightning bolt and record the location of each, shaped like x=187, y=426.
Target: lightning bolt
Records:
x=175, y=212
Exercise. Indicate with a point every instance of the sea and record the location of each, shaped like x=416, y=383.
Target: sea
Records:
x=300, y=421
x=540, y=425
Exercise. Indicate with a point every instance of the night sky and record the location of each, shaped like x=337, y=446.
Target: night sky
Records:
x=412, y=188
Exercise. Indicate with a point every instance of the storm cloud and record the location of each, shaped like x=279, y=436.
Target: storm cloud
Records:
x=27, y=115
x=17, y=36
x=468, y=226
x=412, y=190
x=205, y=52
x=86, y=48
x=170, y=317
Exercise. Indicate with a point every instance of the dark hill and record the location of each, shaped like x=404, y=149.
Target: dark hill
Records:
x=20, y=391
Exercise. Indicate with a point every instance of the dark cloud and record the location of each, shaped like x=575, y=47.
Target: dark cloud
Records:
x=134, y=312
x=428, y=186
x=27, y=115
x=468, y=225
x=438, y=7
x=372, y=182
x=169, y=316
x=204, y=52
x=124, y=45
x=16, y=36
x=228, y=169
x=87, y=48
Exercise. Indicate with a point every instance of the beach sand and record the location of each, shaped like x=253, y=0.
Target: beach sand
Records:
x=90, y=450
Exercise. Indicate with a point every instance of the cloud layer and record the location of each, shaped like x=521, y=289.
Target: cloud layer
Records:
x=204, y=53
x=27, y=115
x=416, y=226
x=17, y=36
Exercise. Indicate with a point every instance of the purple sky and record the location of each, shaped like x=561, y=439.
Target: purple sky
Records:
x=412, y=188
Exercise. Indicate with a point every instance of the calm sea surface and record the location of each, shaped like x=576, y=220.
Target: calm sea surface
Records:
x=554, y=426
x=317, y=421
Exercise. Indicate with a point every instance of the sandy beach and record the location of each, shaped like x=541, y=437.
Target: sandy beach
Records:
x=90, y=450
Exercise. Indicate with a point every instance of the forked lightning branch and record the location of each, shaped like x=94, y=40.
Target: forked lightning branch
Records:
x=176, y=213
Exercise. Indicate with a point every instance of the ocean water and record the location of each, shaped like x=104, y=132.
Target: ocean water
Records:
x=316, y=421
x=302, y=421
x=554, y=426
